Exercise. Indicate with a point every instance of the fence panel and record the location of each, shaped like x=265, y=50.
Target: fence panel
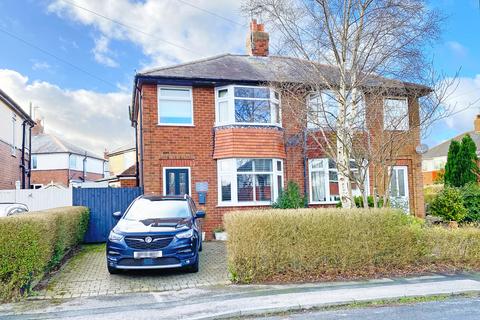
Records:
x=102, y=202
x=38, y=199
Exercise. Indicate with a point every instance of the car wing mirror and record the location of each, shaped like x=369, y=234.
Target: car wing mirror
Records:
x=200, y=214
x=117, y=214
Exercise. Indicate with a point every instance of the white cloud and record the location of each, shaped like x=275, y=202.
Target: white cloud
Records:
x=457, y=48
x=89, y=119
x=158, y=24
x=466, y=102
x=102, y=52
x=40, y=65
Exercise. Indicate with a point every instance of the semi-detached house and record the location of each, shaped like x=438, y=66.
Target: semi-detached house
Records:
x=213, y=129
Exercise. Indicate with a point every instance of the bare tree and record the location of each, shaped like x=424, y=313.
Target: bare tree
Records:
x=349, y=50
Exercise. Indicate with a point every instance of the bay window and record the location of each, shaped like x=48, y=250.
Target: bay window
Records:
x=245, y=181
x=247, y=105
x=323, y=178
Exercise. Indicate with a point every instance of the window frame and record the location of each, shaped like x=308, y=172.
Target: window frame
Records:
x=311, y=126
x=326, y=173
x=230, y=99
x=34, y=164
x=405, y=98
x=159, y=98
x=164, y=179
x=233, y=176
x=14, y=136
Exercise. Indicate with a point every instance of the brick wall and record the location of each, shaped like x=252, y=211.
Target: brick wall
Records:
x=10, y=166
x=61, y=176
x=194, y=147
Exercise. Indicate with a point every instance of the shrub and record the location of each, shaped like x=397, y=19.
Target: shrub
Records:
x=448, y=204
x=312, y=244
x=430, y=192
x=319, y=242
x=471, y=201
x=290, y=198
x=33, y=243
x=359, y=201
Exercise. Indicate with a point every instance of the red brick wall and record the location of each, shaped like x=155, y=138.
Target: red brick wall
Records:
x=10, y=167
x=60, y=176
x=179, y=146
x=128, y=183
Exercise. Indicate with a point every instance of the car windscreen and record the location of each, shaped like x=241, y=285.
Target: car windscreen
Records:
x=143, y=209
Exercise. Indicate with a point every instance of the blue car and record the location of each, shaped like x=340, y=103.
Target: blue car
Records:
x=156, y=232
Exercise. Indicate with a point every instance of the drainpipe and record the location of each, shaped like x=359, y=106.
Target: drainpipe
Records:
x=68, y=166
x=29, y=175
x=137, y=172
x=140, y=110
x=22, y=161
x=84, y=167
x=305, y=176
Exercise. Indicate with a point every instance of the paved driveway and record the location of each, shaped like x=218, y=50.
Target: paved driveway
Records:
x=86, y=275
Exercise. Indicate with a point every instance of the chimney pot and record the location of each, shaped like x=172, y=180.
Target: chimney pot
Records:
x=38, y=127
x=257, y=41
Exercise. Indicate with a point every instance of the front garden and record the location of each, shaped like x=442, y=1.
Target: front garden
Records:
x=300, y=245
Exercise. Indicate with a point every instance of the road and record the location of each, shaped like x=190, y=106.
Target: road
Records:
x=465, y=309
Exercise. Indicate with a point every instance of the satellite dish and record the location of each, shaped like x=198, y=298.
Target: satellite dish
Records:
x=421, y=149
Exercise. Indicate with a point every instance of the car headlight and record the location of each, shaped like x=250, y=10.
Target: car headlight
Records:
x=115, y=237
x=185, y=234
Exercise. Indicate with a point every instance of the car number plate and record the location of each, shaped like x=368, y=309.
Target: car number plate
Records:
x=147, y=254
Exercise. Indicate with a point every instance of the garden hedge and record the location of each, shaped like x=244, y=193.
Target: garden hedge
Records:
x=31, y=244
x=324, y=244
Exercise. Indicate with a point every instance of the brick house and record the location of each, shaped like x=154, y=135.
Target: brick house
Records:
x=57, y=161
x=197, y=134
x=15, y=130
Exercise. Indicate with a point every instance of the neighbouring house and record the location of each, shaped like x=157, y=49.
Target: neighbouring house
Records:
x=15, y=131
x=434, y=160
x=212, y=129
x=121, y=158
x=56, y=161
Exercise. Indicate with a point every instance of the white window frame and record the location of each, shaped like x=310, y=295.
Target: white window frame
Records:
x=322, y=123
x=406, y=118
x=72, y=156
x=14, y=135
x=34, y=160
x=230, y=98
x=159, y=98
x=234, y=187
x=326, y=172
x=164, y=180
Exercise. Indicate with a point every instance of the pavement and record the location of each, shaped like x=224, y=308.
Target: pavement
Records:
x=455, y=308
x=86, y=275
x=227, y=301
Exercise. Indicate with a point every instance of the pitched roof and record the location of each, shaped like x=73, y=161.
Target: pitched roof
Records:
x=130, y=171
x=441, y=150
x=49, y=143
x=230, y=67
x=126, y=147
x=15, y=107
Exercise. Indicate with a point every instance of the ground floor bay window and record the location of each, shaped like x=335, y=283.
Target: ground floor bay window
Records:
x=246, y=181
x=323, y=181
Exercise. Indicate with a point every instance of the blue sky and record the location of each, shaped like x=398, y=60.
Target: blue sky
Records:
x=93, y=112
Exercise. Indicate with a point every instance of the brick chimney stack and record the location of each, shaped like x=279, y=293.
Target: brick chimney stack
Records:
x=257, y=41
x=476, y=124
x=38, y=128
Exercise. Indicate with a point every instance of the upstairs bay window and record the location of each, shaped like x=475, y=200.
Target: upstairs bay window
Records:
x=323, y=178
x=175, y=106
x=247, y=105
x=323, y=111
x=395, y=114
x=249, y=181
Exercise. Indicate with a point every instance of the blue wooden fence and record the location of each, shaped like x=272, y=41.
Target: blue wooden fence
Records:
x=102, y=202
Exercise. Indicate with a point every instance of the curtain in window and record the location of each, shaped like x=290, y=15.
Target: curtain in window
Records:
x=318, y=186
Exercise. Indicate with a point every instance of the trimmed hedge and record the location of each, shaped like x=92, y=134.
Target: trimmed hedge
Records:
x=31, y=244
x=311, y=244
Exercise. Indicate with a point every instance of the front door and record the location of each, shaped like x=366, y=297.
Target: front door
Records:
x=399, y=188
x=177, y=182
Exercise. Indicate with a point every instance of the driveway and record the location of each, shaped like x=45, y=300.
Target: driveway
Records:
x=86, y=275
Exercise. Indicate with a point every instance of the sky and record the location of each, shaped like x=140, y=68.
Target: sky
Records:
x=74, y=60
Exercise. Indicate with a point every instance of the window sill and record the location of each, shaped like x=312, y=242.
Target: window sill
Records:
x=247, y=204
x=323, y=202
x=174, y=125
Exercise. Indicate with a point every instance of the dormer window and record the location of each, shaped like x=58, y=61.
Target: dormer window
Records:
x=247, y=105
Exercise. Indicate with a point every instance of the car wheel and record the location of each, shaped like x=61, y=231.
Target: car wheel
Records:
x=113, y=270
x=194, y=267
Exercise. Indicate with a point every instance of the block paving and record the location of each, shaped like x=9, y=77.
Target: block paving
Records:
x=86, y=275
